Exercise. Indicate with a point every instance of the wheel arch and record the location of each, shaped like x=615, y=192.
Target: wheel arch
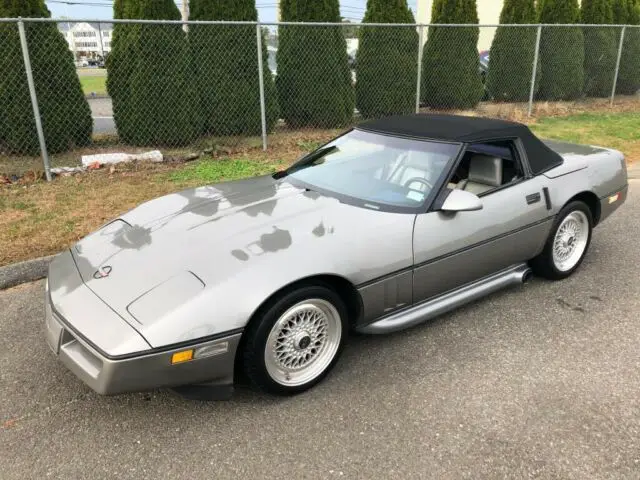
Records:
x=340, y=285
x=592, y=201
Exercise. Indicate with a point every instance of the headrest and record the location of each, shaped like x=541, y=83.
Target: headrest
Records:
x=486, y=170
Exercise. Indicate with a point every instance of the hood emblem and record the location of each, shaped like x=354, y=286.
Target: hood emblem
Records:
x=102, y=272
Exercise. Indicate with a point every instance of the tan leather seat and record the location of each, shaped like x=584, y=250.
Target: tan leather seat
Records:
x=485, y=173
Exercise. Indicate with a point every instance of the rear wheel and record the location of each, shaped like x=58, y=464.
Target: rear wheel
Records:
x=567, y=244
x=296, y=341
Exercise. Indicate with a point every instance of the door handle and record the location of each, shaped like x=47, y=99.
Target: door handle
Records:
x=533, y=198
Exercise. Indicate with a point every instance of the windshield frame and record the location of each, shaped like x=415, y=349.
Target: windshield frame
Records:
x=371, y=205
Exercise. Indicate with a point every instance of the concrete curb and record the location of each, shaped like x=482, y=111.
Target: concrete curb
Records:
x=28, y=271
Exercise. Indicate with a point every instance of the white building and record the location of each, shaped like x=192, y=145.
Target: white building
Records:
x=488, y=14
x=87, y=40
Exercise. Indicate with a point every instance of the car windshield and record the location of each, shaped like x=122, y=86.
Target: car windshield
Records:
x=376, y=169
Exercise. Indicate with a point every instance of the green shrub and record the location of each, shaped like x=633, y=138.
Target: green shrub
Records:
x=150, y=77
x=65, y=113
x=512, y=53
x=386, y=61
x=561, y=52
x=627, y=12
x=600, y=48
x=226, y=64
x=451, y=66
x=313, y=81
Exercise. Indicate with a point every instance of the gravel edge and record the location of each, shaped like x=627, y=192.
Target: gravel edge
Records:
x=22, y=272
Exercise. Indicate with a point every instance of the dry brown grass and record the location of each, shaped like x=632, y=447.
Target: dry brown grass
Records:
x=518, y=112
x=38, y=218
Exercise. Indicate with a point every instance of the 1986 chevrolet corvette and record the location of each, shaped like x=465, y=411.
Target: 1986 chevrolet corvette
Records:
x=390, y=224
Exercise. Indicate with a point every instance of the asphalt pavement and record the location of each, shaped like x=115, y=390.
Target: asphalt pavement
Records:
x=102, y=113
x=539, y=381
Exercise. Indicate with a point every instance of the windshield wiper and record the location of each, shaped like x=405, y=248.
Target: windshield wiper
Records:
x=305, y=161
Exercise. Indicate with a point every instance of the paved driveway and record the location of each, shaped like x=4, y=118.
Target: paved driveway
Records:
x=102, y=113
x=541, y=381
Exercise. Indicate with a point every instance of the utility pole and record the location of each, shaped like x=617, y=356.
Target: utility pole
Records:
x=185, y=14
x=424, y=11
x=71, y=36
x=424, y=14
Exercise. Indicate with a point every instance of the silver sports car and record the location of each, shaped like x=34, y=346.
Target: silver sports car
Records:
x=393, y=222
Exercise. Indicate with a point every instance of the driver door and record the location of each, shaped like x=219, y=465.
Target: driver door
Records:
x=453, y=249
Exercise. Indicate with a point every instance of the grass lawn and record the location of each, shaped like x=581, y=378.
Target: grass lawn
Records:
x=94, y=82
x=41, y=218
x=617, y=130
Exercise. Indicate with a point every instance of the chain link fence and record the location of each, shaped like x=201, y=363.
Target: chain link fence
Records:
x=132, y=85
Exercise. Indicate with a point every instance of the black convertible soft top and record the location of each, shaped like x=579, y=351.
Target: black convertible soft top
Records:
x=456, y=128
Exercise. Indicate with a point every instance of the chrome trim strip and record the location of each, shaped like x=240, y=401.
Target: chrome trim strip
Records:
x=429, y=309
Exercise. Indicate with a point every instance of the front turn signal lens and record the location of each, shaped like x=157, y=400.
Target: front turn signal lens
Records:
x=614, y=198
x=183, y=356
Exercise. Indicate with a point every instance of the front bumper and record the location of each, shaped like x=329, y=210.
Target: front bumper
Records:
x=144, y=370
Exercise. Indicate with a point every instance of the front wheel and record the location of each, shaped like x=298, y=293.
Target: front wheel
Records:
x=567, y=244
x=296, y=342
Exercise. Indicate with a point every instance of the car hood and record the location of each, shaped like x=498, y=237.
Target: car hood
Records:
x=167, y=252
x=179, y=232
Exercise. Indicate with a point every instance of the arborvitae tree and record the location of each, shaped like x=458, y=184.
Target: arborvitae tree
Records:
x=151, y=78
x=451, y=66
x=225, y=59
x=627, y=12
x=561, y=51
x=512, y=53
x=314, y=81
x=600, y=48
x=382, y=53
x=65, y=113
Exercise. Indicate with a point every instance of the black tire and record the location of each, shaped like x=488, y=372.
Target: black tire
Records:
x=544, y=265
x=260, y=328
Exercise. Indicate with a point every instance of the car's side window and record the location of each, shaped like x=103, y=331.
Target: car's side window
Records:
x=486, y=167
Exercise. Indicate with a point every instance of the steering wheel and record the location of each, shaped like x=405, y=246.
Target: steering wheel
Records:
x=418, y=180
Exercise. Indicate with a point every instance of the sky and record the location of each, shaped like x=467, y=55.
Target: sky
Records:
x=352, y=10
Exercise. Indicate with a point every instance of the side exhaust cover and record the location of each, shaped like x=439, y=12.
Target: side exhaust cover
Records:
x=429, y=309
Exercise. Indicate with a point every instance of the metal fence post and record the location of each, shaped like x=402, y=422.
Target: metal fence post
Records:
x=420, y=52
x=100, y=37
x=615, y=79
x=536, y=56
x=263, y=113
x=34, y=100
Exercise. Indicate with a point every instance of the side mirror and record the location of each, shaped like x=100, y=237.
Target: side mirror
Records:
x=461, y=201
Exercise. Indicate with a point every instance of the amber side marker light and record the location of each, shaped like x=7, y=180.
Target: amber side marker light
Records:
x=183, y=356
x=614, y=198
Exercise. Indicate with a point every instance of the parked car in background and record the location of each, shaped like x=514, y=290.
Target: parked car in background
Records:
x=484, y=70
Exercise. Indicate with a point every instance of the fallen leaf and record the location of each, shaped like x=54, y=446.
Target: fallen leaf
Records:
x=9, y=423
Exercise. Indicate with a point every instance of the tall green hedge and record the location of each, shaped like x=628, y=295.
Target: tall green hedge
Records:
x=451, y=66
x=600, y=47
x=627, y=12
x=225, y=59
x=65, y=113
x=561, y=51
x=313, y=81
x=384, y=52
x=150, y=79
x=512, y=53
